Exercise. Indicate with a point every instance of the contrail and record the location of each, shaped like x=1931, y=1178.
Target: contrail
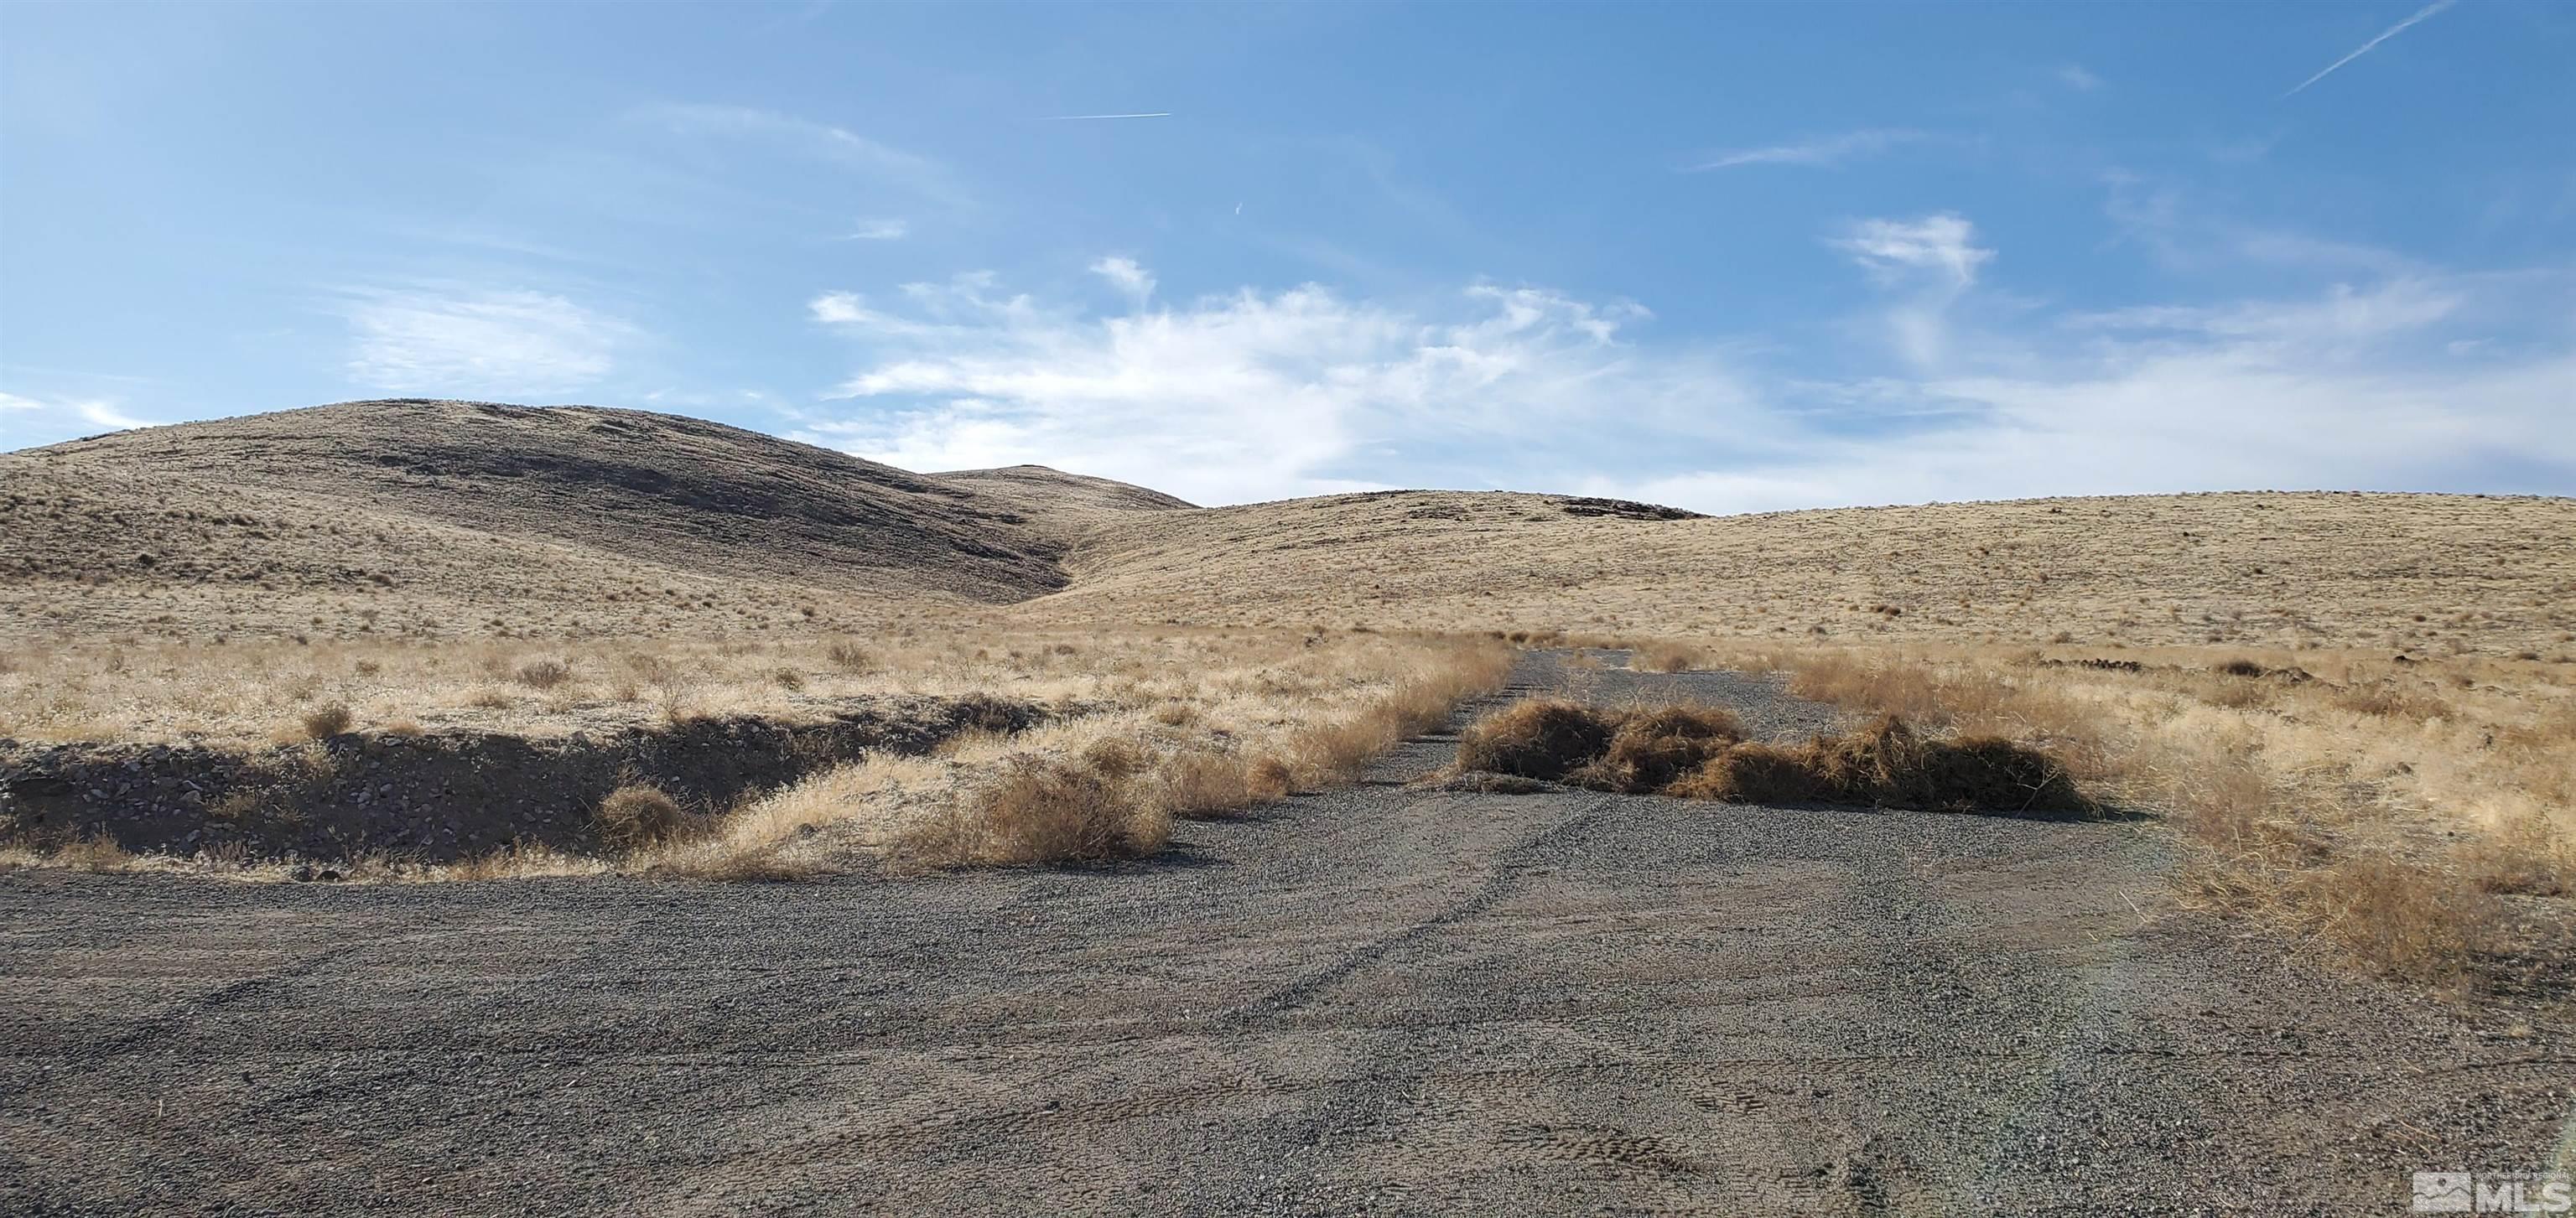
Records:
x=1071, y=118
x=2384, y=35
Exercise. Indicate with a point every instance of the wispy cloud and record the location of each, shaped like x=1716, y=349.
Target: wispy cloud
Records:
x=1820, y=151
x=2075, y=76
x=2364, y=49
x=1082, y=118
x=1945, y=243
x=26, y=420
x=445, y=339
x=1931, y=262
x=1126, y=276
x=884, y=229
x=821, y=141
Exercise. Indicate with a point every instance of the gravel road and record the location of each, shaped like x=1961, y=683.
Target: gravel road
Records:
x=1376, y=1000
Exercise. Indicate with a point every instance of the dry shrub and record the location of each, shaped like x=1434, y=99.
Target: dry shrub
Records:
x=1039, y=810
x=1888, y=764
x=544, y=674
x=1116, y=757
x=1882, y=763
x=2523, y=857
x=2395, y=913
x=1698, y=752
x=850, y=657
x=1754, y=773
x=1652, y=749
x=99, y=853
x=2388, y=702
x=1176, y=714
x=1989, y=773
x=324, y=722
x=1270, y=778
x=635, y=816
x=1201, y=784
x=1535, y=738
x=1664, y=656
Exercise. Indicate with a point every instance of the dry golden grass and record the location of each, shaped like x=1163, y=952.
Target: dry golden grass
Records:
x=1265, y=713
x=1039, y=810
x=1535, y=738
x=2432, y=575
x=1664, y=655
x=1654, y=748
x=237, y=693
x=2367, y=806
x=635, y=816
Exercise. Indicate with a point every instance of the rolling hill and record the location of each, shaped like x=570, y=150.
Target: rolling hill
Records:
x=448, y=518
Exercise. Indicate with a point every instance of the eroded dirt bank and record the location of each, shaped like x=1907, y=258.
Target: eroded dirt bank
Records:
x=438, y=797
x=1380, y=1000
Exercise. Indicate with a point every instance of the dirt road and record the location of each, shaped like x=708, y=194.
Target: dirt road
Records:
x=1377, y=1000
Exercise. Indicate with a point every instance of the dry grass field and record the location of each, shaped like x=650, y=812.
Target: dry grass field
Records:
x=2430, y=575
x=2386, y=769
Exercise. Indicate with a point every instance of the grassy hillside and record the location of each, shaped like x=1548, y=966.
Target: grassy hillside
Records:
x=2423, y=573
x=452, y=518
x=472, y=518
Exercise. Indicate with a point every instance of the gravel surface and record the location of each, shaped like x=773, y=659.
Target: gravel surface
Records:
x=1376, y=1000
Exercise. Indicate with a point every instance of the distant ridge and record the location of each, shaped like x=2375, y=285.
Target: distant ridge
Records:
x=444, y=518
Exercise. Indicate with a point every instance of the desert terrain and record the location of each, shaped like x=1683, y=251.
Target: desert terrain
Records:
x=448, y=807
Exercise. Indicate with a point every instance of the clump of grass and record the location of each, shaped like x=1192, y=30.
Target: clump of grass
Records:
x=324, y=722
x=1699, y=752
x=1754, y=773
x=1202, y=784
x=544, y=674
x=1040, y=810
x=1666, y=656
x=98, y=853
x=1116, y=757
x=850, y=657
x=1535, y=738
x=1651, y=749
x=636, y=815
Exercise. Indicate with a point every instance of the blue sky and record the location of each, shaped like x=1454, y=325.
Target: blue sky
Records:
x=1732, y=257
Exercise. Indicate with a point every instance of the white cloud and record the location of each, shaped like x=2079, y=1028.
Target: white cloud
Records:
x=1260, y=394
x=2075, y=76
x=1932, y=261
x=26, y=421
x=880, y=229
x=1248, y=395
x=450, y=340
x=1128, y=277
x=1945, y=243
x=819, y=141
x=1819, y=151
